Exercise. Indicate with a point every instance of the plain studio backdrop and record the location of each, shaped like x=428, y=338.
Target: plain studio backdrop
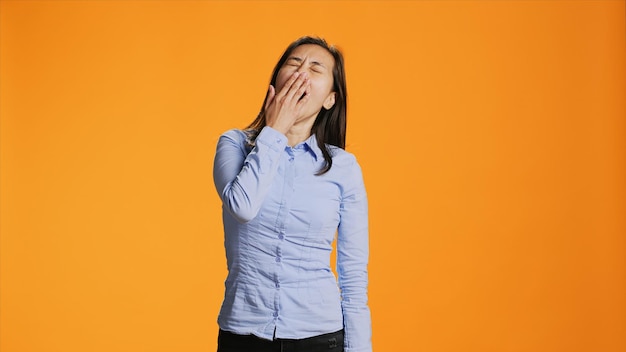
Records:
x=492, y=136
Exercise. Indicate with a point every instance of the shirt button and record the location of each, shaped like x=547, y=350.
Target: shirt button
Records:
x=277, y=259
x=291, y=159
x=278, y=285
x=275, y=314
x=281, y=236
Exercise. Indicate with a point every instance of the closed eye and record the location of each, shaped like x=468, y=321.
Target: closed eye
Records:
x=317, y=67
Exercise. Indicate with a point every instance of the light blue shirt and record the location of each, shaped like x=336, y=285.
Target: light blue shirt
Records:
x=280, y=221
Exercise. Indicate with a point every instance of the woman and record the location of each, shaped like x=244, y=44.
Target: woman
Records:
x=287, y=186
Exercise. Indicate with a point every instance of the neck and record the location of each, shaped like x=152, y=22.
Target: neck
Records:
x=299, y=132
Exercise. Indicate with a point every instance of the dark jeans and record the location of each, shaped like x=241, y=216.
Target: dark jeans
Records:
x=229, y=342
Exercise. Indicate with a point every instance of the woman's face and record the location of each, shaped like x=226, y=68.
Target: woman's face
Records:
x=319, y=65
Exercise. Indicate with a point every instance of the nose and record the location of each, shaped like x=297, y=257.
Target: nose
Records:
x=302, y=67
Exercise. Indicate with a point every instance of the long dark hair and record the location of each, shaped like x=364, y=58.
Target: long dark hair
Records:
x=330, y=125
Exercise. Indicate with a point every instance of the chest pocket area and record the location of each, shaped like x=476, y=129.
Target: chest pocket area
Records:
x=315, y=211
x=323, y=222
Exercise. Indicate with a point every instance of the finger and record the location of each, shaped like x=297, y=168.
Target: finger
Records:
x=301, y=90
x=271, y=93
x=285, y=88
x=306, y=91
x=296, y=87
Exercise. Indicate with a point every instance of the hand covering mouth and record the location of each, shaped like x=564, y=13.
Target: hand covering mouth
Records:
x=302, y=96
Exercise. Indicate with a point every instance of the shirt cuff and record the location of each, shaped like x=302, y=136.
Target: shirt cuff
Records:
x=272, y=138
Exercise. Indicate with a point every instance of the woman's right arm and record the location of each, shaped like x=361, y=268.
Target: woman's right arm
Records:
x=242, y=181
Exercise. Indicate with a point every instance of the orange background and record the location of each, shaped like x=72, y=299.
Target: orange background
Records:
x=491, y=136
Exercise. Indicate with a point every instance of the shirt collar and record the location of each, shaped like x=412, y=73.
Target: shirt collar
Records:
x=311, y=145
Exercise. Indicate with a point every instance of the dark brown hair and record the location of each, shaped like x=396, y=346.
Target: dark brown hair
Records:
x=330, y=125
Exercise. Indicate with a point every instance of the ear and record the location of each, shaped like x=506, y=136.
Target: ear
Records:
x=330, y=101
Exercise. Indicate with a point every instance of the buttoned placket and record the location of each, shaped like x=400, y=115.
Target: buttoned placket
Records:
x=289, y=176
x=281, y=221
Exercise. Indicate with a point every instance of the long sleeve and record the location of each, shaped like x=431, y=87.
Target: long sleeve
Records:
x=241, y=180
x=352, y=260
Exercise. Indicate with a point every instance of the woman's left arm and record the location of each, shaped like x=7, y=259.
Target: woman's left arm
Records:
x=352, y=260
